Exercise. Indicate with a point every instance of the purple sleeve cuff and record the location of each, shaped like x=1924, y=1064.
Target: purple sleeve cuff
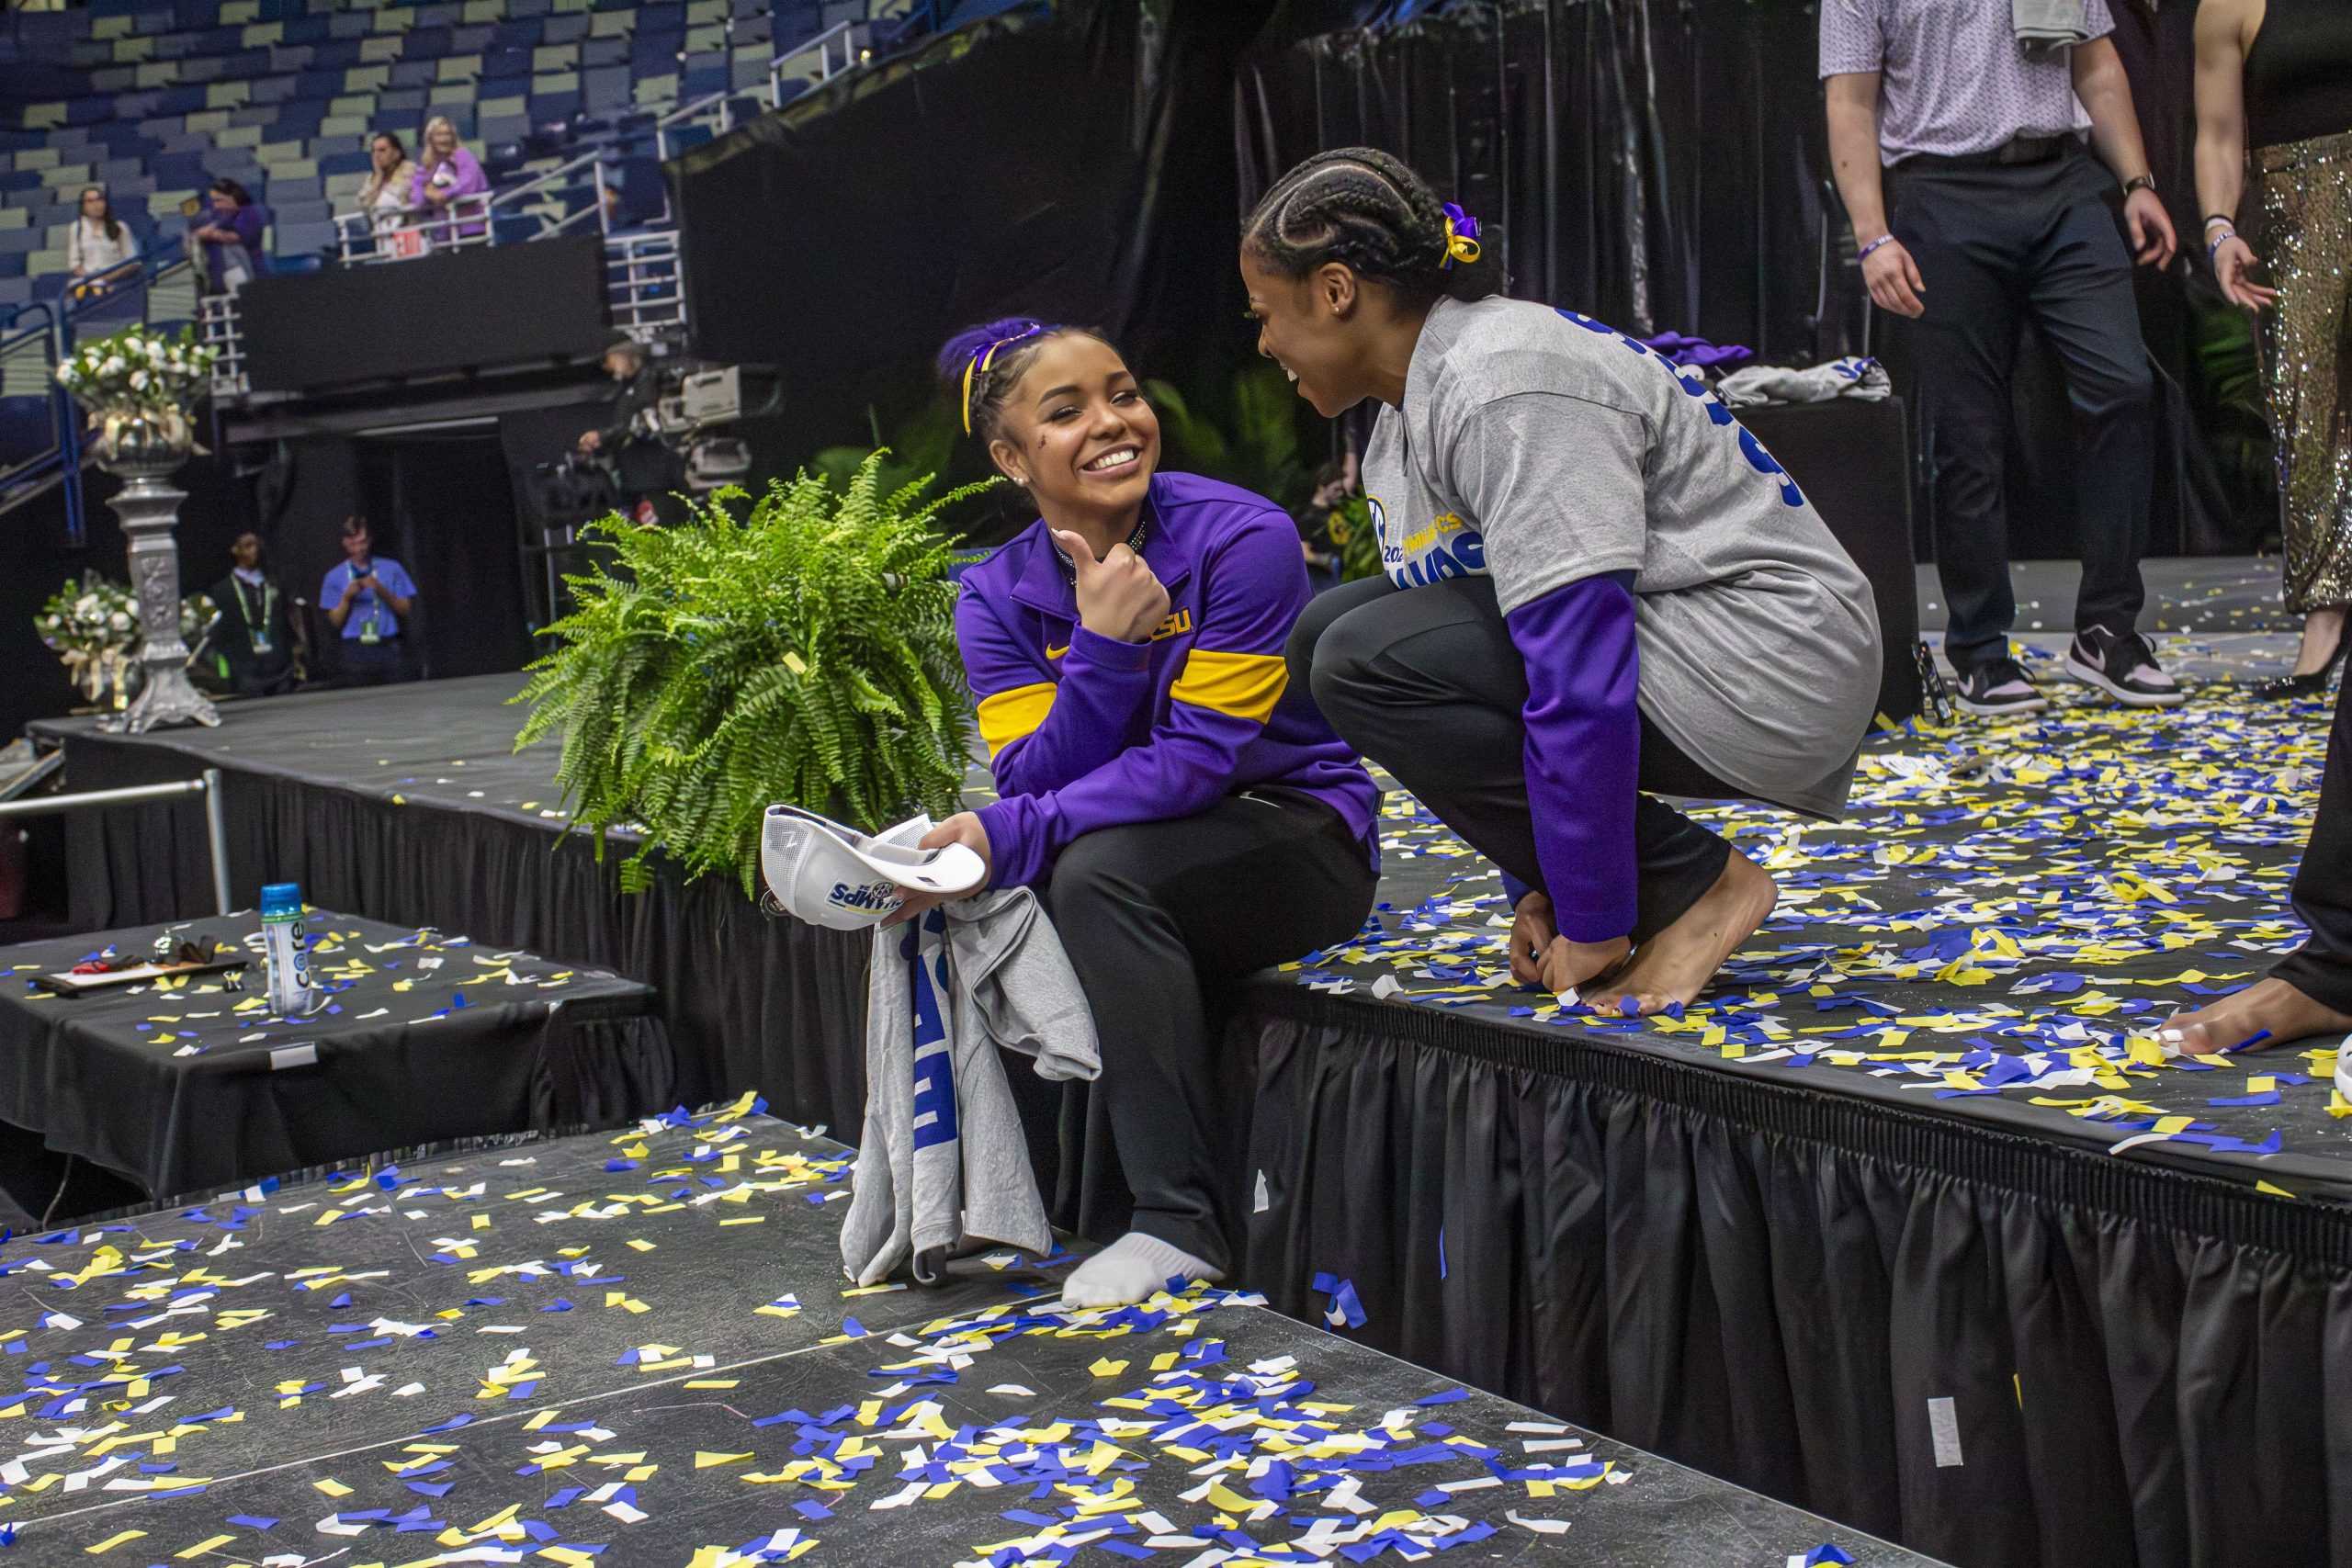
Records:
x=1108, y=652
x=1583, y=750
x=1514, y=890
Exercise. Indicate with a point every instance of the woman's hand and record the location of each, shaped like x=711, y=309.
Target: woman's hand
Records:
x=966, y=829
x=1540, y=956
x=2233, y=260
x=1117, y=596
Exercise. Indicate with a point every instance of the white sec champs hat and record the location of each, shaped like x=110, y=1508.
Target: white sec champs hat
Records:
x=830, y=876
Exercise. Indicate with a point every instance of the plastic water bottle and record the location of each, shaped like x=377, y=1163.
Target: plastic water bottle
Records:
x=282, y=951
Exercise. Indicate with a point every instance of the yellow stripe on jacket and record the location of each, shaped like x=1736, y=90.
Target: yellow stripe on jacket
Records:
x=1008, y=715
x=1246, y=685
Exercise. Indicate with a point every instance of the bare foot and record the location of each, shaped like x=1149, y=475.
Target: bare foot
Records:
x=2269, y=1008
x=1676, y=965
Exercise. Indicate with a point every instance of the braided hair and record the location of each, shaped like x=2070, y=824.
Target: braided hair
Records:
x=1360, y=207
x=977, y=381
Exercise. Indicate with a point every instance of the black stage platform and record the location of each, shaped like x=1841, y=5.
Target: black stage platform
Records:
x=1905, y=1224
x=637, y=1350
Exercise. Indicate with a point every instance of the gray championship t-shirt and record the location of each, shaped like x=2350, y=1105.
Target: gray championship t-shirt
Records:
x=1540, y=447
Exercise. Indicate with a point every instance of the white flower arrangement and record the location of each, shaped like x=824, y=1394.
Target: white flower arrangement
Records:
x=137, y=367
x=93, y=626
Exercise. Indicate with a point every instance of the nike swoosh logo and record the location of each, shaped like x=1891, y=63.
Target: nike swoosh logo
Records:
x=1053, y=652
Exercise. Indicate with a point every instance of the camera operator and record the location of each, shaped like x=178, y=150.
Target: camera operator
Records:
x=644, y=468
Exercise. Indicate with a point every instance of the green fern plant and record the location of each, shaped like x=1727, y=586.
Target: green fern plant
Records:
x=803, y=653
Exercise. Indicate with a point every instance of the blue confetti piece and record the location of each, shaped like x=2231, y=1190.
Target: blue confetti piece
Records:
x=2268, y=1097
x=1824, y=1553
x=1449, y=1396
x=253, y=1521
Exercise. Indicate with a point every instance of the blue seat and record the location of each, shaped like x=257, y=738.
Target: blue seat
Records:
x=355, y=161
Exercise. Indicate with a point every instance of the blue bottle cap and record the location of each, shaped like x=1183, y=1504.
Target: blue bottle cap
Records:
x=281, y=898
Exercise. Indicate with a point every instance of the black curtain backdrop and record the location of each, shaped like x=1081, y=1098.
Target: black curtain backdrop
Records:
x=1665, y=167
x=1992, y=1348
x=1070, y=162
x=438, y=502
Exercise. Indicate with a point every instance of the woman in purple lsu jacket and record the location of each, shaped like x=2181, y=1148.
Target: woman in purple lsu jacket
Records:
x=1600, y=589
x=1183, y=811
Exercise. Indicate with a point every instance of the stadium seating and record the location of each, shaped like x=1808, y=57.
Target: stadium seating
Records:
x=155, y=98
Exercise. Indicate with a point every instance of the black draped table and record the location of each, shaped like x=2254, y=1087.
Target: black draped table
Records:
x=194, y=1084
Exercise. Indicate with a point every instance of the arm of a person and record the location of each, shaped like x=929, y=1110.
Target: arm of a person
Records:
x=1233, y=676
x=471, y=179
x=1851, y=99
x=1572, y=623
x=2106, y=91
x=1043, y=734
x=1583, y=751
x=338, y=601
x=2221, y=109
x=398, y=592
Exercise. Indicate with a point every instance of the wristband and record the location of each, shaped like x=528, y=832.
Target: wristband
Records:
x=2213, y=218
x=1863, y=254
x=2213, y=248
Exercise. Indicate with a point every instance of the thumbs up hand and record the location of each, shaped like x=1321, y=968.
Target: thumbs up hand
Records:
x=1117, y=596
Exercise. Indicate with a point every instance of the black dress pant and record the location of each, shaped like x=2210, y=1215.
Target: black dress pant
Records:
x=2322, y=969
x=1427, y=682
x=1151, y=915
x=1997, y=246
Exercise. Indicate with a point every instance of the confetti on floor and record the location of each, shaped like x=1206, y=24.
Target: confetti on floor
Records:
x=232, y=1383
x=2008, y=912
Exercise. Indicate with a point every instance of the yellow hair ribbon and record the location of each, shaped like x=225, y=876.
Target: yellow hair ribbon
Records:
x=980, y=363
x=1459, y=247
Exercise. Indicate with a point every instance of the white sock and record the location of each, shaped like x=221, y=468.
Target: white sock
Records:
x=1131, y=1270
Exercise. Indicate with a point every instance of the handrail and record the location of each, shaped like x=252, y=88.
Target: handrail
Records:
x=216, y=833
x=684, y=114
x=823, y=45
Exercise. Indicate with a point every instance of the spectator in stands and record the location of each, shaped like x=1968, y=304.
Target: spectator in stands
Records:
x=369, y=599
x=384, y=194
x=97, y=242
x=445, y=176
x=232, y=238
x=255, y=637
x=643, y=468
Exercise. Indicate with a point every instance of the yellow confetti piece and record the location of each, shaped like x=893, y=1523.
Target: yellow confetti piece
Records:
x=706, y=1460
x=637, y=1244
x=2276, y=1192
x=714, y=1382
x=1106, y=1367
x=201, y=1547
x=333, y=1488
x=114, y=1541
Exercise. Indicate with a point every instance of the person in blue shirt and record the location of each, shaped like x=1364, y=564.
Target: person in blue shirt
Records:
x=369, y=599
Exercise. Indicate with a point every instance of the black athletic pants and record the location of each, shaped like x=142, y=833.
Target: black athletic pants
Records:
x=2322, y=969
x=1996, y=245
x=1427, y=682
x=1150, y=914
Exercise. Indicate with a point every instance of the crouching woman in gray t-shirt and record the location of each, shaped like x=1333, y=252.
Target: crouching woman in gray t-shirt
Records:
x=1598, y=588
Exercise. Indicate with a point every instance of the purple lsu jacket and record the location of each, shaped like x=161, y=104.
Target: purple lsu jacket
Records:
x=1084, y=732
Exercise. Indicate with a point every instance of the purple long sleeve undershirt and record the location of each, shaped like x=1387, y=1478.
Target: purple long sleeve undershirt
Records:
x=1583, y=752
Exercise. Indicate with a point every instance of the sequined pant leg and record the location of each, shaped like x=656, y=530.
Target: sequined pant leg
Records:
x=2307, y=235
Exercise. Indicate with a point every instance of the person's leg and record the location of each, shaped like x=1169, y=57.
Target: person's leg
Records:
x=1719, y=897
x=1147, y=913
x=2308, y=991
x=2080, y=294
x=1965, y=346
x=1427, y=682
